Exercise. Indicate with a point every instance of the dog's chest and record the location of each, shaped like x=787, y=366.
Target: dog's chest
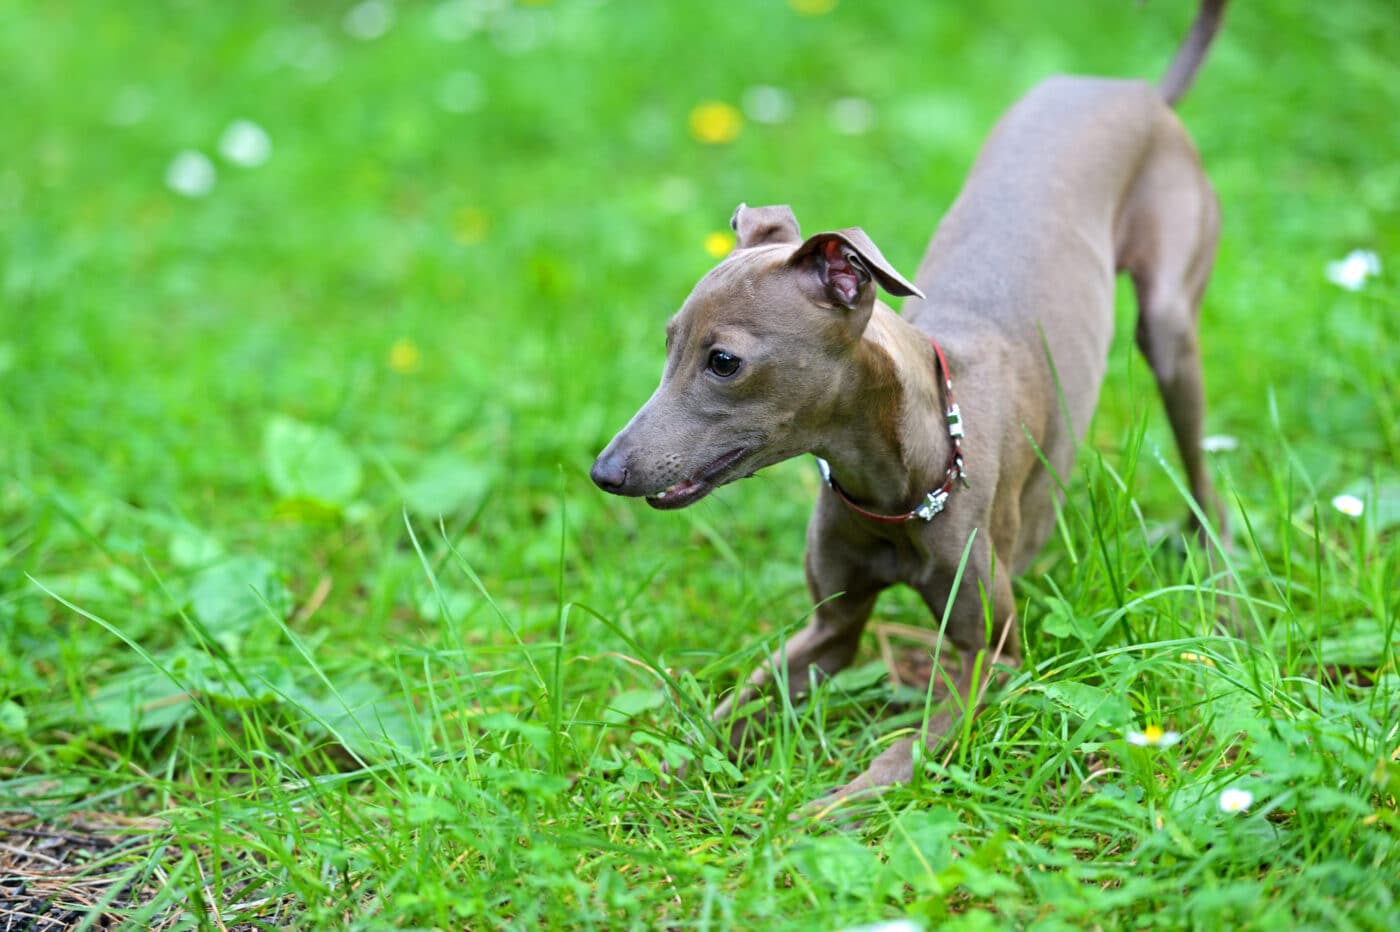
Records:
x=903, y=555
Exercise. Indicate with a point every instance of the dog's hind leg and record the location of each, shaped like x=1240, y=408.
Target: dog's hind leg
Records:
x=1171, y=222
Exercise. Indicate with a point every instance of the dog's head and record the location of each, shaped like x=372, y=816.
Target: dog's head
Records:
x=754, y=360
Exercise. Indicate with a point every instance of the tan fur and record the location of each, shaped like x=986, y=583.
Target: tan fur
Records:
x=1083, y=178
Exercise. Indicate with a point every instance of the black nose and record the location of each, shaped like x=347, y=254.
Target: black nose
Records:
x=609, y=474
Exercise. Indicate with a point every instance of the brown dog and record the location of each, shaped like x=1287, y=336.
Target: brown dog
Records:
x=783, y=349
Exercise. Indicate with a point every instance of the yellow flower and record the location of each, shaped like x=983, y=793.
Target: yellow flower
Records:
x=469, y=225
x=812, y=7
x=1196, y=658
x=719, y=243
x=714, y=122
x=404, y=356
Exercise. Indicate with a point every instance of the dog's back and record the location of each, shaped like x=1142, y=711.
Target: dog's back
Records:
x=1033, y=228
x=1018, y=241
x=1029, y=245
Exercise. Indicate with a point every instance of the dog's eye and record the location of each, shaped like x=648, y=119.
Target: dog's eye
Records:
x=722, y=364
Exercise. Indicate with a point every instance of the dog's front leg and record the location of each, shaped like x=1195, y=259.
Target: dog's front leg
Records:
x=896, y=763
x=968, y=630
x=844, y=597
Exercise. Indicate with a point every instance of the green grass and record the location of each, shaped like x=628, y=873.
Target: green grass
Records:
x=363, y=647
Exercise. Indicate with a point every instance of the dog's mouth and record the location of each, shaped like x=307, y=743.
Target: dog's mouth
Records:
x=691, y=490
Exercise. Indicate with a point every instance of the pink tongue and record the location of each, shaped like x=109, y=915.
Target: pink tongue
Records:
x=679, y=489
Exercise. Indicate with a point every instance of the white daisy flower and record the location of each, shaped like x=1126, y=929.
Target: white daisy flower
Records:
x=1153, y=736
x=245, y=143
x=1349, y=505
x=1352, y=271
x=190, y=174
x=1235, y=800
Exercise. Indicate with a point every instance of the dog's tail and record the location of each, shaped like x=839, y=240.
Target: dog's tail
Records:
x=1193, y=51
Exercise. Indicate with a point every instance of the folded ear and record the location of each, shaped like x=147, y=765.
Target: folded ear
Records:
x=764, y=226
x=844, y=263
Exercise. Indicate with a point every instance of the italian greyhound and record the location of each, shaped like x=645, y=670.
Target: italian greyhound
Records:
x=941, y=433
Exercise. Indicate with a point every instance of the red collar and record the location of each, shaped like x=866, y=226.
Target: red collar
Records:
x=937, y=500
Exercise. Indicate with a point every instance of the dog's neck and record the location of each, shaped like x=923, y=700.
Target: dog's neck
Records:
x=887, y=443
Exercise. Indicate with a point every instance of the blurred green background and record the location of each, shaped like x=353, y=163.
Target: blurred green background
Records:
x=515, y=193
x=280, y=282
